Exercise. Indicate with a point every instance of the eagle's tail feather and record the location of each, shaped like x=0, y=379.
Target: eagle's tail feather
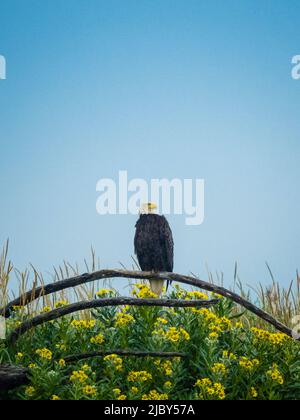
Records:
x=157, y=286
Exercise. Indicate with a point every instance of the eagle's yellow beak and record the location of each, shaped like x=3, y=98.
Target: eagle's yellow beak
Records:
x=148, y=208
x=152, y=206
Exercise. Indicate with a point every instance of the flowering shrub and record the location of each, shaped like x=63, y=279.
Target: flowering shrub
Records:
x=225, y=357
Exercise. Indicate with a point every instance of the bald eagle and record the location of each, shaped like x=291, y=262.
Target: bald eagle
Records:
x=153, y=243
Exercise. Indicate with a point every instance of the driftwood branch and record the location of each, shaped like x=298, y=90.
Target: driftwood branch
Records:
x=106, y=274
x=12, y=376
x=100, y=303
x=123, y=353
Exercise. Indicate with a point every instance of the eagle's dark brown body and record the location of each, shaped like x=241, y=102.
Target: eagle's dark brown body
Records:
x=154, y=244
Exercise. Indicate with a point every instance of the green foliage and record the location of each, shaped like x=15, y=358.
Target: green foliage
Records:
x=226, y=358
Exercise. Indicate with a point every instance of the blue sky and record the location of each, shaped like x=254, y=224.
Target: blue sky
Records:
x=185, y=89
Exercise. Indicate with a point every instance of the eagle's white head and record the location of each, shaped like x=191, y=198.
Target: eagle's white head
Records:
x=148, y=208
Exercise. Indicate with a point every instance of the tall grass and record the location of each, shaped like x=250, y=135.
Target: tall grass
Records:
x=6, y=269
x=282, y=303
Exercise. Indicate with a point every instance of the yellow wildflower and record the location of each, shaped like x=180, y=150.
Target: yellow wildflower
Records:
x=98, y=339
x=154, y=395
x=276, y=339
x=55, y=398
x=30, y=391
x=173, y=334
x=117, y=391
x=248, y=364
x=253, y=392
x=196, y=295
x=219, y=391
x=275, y=375
x=61, y=303
x=184, y=334
x=82, y=324
x=104, y=292
x=205, y=382
x=208, y=315
x=89, y=390
x=32, y=366
x=219, y=369
x=144, y=291
x=224, y=323
x=161, y=321
x=115, y=360
x=123, y=319
x=180, y=292
x=227, y=355
x=78, y=376
x=44, y=354
x=211, y=390
x=61, y=347
x=62, y=363
x=139, y=376
x=167, y=367
x=122, y=397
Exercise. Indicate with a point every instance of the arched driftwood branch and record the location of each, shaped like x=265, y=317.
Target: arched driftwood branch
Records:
x=123, y=353
x=106, y=274
x=100, y=303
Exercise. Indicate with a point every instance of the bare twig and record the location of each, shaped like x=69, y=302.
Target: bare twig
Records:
x=131, y=353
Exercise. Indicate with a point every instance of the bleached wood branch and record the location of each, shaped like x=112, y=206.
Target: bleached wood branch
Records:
x=100, y=303
x=106, y=274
